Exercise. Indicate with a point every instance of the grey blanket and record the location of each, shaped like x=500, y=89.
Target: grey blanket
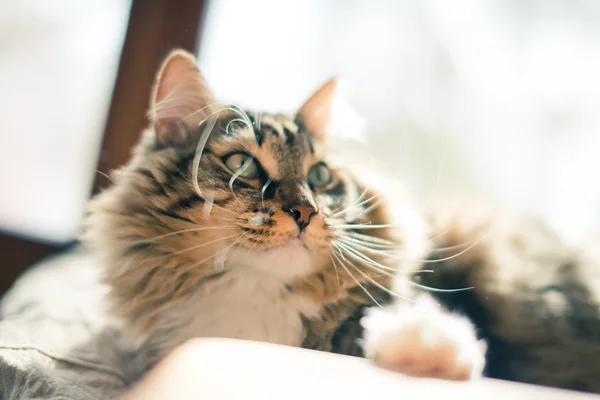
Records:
x=55, y=339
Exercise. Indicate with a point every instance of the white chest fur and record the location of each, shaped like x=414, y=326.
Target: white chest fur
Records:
x=243, y=306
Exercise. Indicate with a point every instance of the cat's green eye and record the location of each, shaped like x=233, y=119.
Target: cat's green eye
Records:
x=319, y=176
x=242, y=161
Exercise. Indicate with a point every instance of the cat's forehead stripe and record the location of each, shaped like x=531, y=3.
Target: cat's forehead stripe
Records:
x=278, y=126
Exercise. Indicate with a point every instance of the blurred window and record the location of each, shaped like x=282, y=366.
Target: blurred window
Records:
x=500, y=96
x=58, y=62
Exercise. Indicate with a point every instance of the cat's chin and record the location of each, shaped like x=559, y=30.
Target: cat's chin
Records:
x=286, y=261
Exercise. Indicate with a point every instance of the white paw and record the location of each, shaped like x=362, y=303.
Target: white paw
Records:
x=422, y=339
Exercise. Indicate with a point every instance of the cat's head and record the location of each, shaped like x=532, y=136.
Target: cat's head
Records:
x=214, y=188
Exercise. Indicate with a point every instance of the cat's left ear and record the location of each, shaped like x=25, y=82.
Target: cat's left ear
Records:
x=316, y=113
x=180, y=99
x=328, y=112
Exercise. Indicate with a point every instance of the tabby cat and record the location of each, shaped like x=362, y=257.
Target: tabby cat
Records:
x=230, y=223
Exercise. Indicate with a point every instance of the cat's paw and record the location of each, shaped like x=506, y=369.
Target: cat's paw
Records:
x=422, y=339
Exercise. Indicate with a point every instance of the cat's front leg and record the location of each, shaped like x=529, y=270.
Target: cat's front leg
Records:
x=422, y=339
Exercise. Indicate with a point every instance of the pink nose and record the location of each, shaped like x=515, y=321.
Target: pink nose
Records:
x=301, y=213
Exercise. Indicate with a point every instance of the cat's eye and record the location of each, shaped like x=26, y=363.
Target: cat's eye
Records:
x=319, y=175
x=242, y=161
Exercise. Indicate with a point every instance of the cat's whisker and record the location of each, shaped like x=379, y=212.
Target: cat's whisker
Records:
x=358, y=256
x=356, y=280
x=336, y=213
x=366, y=201
x=360, y=226
x=202, y=109
x=378, y=267
x=373, y=266
x=335, y=269
x=199, y=246
x=208, y=204
x=454, y=247
x=368, y=243
x=200, y=149
x=239, y=172
x=371, y=262
x=262, y=192
x=436, y=290
x=368, y=238
x=365, y=260
x=379, y=285
x=360, y=204
x=430, y=261
x=212, y=121
x=186, y=231
x=232, y=121
x=258, y=120
x=371, y=241
x=365, y=248
x=370, y=208
x=105, y=175
x=424, y=287
x=441, y=233
x=239, y=239
x=241, y=220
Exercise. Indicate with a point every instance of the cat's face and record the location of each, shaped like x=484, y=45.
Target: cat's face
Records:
x=220, y=188
x=271, y=188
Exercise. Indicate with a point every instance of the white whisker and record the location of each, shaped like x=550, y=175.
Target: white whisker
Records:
x=360, y=226
x=208, y=204
x=240, y=238
x=358, y=256
x=200, y=110
x=336, y=270
x=232, y=121
x=365, y=248
x=370, y=244
x=105, y=175
x=336, y=213
x=199, y=150
x=435, y=290
x=379, y=285
x=369, y=238
x=370, y=208
x=200, y=245
x=356, y=280
x=262, y=193
x=240, y=171
x=449, y=257
x=186, y=231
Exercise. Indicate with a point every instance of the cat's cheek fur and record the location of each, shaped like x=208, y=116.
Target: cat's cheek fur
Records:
x=422, y=339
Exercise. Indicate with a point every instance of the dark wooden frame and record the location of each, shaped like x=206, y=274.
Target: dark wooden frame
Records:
x=154, y=27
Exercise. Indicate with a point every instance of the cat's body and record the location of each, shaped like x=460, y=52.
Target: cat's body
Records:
x=233, y=224
x=535, y=299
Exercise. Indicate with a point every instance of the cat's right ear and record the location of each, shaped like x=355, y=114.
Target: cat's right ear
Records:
x=180, y=100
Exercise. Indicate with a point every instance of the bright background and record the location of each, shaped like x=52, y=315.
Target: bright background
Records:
x=498, y=96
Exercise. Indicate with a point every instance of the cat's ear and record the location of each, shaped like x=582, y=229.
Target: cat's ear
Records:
x=328, y=112
x=180, y=99
x=316, y=113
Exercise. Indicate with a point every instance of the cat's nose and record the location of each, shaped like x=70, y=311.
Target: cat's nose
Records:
x=302, y=213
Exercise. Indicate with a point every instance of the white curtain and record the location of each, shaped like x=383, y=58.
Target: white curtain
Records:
x=58, y=61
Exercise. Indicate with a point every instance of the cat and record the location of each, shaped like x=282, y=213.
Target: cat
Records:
x=235, y=224
x=231, y=223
